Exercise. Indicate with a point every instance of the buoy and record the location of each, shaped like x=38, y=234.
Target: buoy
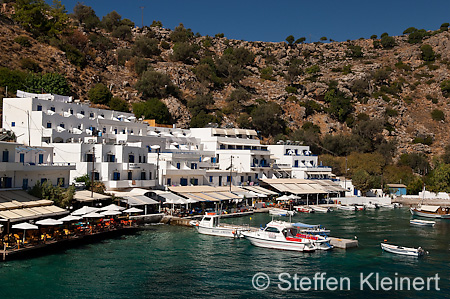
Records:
x=385, y=240
x=250, y=218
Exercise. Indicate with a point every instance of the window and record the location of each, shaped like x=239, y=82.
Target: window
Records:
x=193, y=165
x=210, y=178
x=61, y=182
x=130, y=158
x=249, y=178
x=213, y=160
x=22, y=158
x=220, y=181
x=140, y=159
x=41, y=158
x=150, y=175
x=130, y=175
x=242, y=178
x=123, y=131
x=178, y=165
x=296, y=163
x=39, y=107
x=5, y=156
x=110, y=158
x=61, y=125
x=183, y=182
x=82, y=112
x=91, y=115
x=169, y=182
x=104, y=130
x=71, y=111
x=194, y=181
x=272, y=230
x=228, y=178
x=143, y=175
x=13, y=124
x=49, y=125
x=43, y=180
x=52, y=109
x=115, y=131
x=89, y=157
x=256, y=176
x=116, y=176
x=96, y=176
x=143, y=159
x=131, y=131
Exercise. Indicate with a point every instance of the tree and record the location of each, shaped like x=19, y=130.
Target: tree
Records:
x=374, y=36
x=415, y=186
x=48, y=83
x=294, y=69
x=86, y=15
x=184, y=52
x=200, y=103
x=427, y=53
x=111, y=21
x=122, y=32
x=267, y=119
x=362, y=181
x=440, y=178
x=339, y=105
x=146, y=47
x=323, y=38
x=152, y=109
x=301, y=40
x=99, y=94
x=156, y=85
x=290, y=39
x=444, y=26
x=354, y=51
x=202, y=119
x=13, y=79
x=417, y=161
x=181, y=34
x=118, y=104
x=387, y=42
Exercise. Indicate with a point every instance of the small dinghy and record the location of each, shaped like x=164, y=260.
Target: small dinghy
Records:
x=422, y=222
x=403, y=250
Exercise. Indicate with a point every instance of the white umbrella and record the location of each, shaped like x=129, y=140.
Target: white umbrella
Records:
x=111, y=213
x=133, y=210
x=49, y=221
x=292, y=196
x=93, y=215
x=112, y=207
x=84, y=210
x=69, y=218
x=283, y=198
x=24, y=226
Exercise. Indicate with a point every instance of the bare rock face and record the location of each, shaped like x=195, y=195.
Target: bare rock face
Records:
x=179, y=112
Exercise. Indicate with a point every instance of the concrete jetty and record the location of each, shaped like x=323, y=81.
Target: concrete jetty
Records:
x=343, y=243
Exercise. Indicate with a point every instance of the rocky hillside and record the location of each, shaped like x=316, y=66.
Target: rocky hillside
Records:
x=395, y=79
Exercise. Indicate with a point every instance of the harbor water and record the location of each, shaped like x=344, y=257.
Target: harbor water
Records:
x=163, y=261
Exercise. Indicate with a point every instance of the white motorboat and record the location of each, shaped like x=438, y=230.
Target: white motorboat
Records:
x=304, y=209
x=311, y=229
x=279, y=235
x=371, y=206
x=422, y=222
x=390, y=206
x=319, y=209
x=359, y=207
x=431, y=211
x=281, y=212
x=346, y=208
x=403, y=250
x=210, y=225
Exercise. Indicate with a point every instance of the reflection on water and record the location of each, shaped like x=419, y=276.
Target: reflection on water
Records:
x=177, y=262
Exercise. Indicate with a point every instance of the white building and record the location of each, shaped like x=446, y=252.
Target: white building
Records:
x=24, y=166
x=238, y=155
x=296, y=161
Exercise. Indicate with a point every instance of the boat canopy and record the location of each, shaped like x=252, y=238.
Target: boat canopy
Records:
x=432, y=209
x=304, y=225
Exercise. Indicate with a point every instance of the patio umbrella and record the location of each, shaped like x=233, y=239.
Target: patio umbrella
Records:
x=93, y=215
x=25, y=226
x=49, y=221
x=133, y=210
x=112, y=207
x=84, y=210
x=292, y=196
x=70, y=218
x=283, y=198
x=110, y=213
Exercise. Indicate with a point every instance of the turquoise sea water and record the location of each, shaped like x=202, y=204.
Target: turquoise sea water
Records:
x=176, y=262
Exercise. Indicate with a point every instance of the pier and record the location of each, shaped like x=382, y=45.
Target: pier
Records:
x=343, y=243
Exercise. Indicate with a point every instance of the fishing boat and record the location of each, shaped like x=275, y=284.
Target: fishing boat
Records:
x=281, y=212
x=431, y=211
x=318, y=209
x=346, y=208
x=210, y=225
x=403, y=250
x=422, y=222
x=304, y=209
x=279, y=235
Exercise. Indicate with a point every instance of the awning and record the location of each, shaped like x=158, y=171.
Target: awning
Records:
x=85, y=196
x=259, y=189
x=205, y=196
x=32, y=213
x=432, y=209
x=218, y=131
x=140, y=200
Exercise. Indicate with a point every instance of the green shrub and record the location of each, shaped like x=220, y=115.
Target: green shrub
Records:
x=267, y=74
x=48, y=83
x=444, y=26
x=154, y=84
x=291, y=89
x=313, y=69
x=427, y=53
x=437, y=115
x=427, y=140
x=86, y=15
x=374, y=36
x=23, y=40
x=30, y=65
x=156, y=24
x=146, y=47
x=185, y=52
x=354, y=51
x=99, y=94
x=301, y=40
x=219, y=35
x=123, y=55
x=152, y=109
x=391, y=112
x=122, y=32
x=445, y=88
x=202, y=119
x=165, y=45
x=388, y=42
x=141, y=65
x=181, y=34
x=290, y=39
x=14, y=79
x=100, y=42
x=118, y=104
x=403, y=66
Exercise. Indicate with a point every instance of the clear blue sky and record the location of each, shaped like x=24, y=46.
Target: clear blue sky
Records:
x=274, y=20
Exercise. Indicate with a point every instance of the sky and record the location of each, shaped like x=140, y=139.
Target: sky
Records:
x=273, y=21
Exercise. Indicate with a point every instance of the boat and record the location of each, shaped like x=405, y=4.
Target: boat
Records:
x=210, y=225
x=304, y=209
x=431, y=211
x=371, y=206
x=281, y=212
x=318, y=209
x=403, y=250
x=346, y=208
x=316, y=229
x=359, y=207
x=422, y=222
x=390, y=206
x=279, y=235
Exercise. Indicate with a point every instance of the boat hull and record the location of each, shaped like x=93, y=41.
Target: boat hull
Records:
x=221, y=231
x=401, y=250
x=422, y=222
x=321, y=210
x=416, y=212
x=279, y=244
